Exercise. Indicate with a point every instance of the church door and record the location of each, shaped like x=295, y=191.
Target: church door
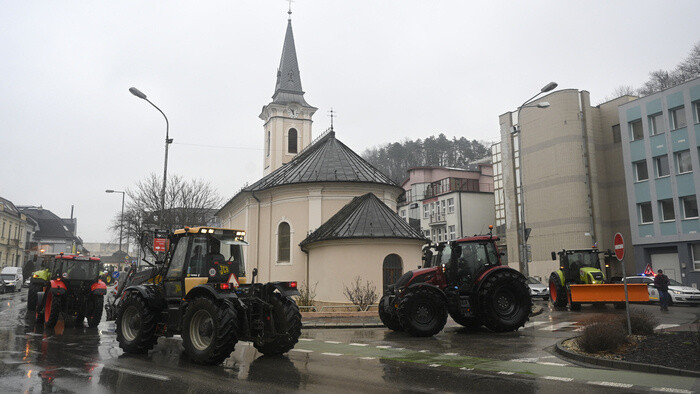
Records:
x=392, y=269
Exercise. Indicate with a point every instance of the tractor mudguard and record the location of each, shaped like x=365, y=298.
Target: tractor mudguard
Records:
x=422, y=285
x=207, y=290
x=148, y=294
x=285, y=288
x=58, y=287
x=482, y=278
x=560, y=274
x=99, y=288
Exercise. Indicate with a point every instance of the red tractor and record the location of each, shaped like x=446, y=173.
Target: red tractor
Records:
x=73, y=290
x=464, y=278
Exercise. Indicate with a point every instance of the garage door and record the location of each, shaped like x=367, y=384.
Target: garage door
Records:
x=667, y=262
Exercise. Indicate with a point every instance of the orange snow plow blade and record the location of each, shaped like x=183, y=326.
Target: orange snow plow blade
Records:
x=609, y=293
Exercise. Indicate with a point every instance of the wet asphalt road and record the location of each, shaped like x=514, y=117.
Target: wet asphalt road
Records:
x=69, y=359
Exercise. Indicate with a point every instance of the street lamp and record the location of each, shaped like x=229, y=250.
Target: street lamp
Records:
x=522, y=243
x=121, y=225
x=168, y=141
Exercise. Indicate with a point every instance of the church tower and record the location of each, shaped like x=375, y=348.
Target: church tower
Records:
x=288, y=117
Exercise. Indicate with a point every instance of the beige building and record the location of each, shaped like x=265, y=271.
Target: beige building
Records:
x=321, y=215
x=573, y=177
x=13, y=235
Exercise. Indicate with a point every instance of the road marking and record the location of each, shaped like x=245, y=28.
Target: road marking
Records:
x=466, y=369
x=612, y=384
x=550, y=363
x=359, y=344
x=368, y=358
x=450, y=354
x=333, y=342
x=670, y=390
x=332, y=354
x=558, y=326
x=434, y=365
x=525, y=360
x=137, y=373
x=399, y=348
x=534, y=323
x=302, y=350
x=306, y=339
x=506, y=373
x=665, y=326
x=558, y=378
x=423, y=351
x=383, y=347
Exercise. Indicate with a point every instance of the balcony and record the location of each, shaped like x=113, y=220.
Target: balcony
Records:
x=448, y=185
x=14, y=243
x=437, y=219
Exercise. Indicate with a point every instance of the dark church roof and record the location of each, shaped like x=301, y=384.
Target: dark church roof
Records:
x=288, y=85
x=326, y=160
x=363, y=217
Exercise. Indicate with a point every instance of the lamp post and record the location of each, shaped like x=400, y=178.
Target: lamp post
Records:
x=522, y=242
x=168, y=141
x=121, y=225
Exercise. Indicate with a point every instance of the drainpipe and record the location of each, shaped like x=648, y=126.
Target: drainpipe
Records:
x=587, y=168
x=257, y=240
x=461, y=229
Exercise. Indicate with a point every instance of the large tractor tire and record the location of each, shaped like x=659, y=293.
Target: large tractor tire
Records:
x=209, y=331
x=94, y=310
x=32, y=296
x=422, y=312
x=287, y=322
x=52, y=310
x=389, y=320
x=504, y=301
x=136, y=325
x=557, y=292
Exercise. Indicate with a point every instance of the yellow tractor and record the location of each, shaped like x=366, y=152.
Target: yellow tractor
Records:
x=580, y=280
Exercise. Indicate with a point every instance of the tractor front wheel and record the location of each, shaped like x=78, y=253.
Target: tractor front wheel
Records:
x=422, y=312
x=389, y=320
x=557, y=291
x=286, y=323
x=209, y=331
x=94, y=310
x=504, y=300
x=136, y=325
x=52, y=310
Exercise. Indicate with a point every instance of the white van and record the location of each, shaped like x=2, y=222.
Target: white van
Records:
x=12, y=276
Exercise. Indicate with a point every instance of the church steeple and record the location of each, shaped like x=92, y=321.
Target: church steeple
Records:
x=288, y=118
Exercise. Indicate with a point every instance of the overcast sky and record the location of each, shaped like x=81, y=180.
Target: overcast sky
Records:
x=391, y=70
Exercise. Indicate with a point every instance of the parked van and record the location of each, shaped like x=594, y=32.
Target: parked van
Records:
x=12, y=276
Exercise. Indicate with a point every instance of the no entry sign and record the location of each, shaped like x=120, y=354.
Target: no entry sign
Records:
x=619, y=247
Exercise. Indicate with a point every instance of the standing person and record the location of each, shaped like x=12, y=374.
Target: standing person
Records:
x=661, y=282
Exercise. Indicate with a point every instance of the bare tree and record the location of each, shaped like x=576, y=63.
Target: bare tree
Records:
x=187, y=203
x=687, y=69
x=359, y=294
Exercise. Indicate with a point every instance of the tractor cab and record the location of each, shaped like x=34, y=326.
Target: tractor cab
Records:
x=204, y=255
x=580, y=266
x=465, y=259
x=76, y=270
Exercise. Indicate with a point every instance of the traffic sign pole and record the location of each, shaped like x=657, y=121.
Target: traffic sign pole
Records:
x=619, y=244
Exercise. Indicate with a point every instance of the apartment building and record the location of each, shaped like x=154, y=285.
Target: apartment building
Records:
x=13, y=234
x=661, y=141
x=445, y=204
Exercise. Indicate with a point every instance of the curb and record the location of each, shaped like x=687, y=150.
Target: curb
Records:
x=620, y=364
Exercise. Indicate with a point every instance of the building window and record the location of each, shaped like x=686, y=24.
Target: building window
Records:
x=616, y=133
x=666, y=209
x=636, y=131
x=403, y=213
x=677, y=118
x=656, y=124
x=426, y=212
x=690, y=207
x=661, y=164
x=645, y=215
x=451, y=229
x=695, y=249
x=640, y=170
x=439, y=231
x=450, y=205
x=283, y=241
x=292, y=141
x=426, y=233
x=696, y=111
x=267, y=144
x=683, y=163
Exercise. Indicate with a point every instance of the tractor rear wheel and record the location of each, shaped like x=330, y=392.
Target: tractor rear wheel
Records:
x=389, y=320
x=287, y=326
x=94, y=311
x=504, y=300
x=422, y=313
x=136, y=325
x=32, y=296
x=557, y=291
x=209, y=331
x=52, y=310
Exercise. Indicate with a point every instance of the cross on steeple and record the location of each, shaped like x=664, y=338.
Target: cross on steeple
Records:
x=290, y=10
x=332, y=115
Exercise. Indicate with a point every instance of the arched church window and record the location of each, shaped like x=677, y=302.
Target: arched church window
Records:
x=392, y=270
x=283, y=242
x=267, y=144
x=292, y=141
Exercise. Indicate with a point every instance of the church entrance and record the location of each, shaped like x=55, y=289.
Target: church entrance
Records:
x=392, y=269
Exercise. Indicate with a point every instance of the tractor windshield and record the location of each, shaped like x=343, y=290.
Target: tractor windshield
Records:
x=474, y=256
x=579, y=260
x=81, y=270
x=232, y=250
